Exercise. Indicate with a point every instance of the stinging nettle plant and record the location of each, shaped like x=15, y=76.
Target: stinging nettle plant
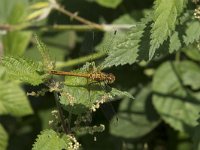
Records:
x=169, y=34
x=75, y=97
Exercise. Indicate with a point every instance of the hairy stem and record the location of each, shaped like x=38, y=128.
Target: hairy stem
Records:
x=107, y=27
x=80, y=60
x=65, y=128
x=62, y=28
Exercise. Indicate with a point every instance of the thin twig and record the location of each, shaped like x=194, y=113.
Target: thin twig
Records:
x=5, y=27
x=78, y=18
x=65, y=128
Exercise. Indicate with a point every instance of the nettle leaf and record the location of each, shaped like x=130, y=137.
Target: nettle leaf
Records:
x=186, y=33
x=172, y=99
x=81, y=95
x=109, y=3
x=3, y=138
x=47, y=63
x=126, y=51
x=175, y=43
x=165, y=16
x=136, y=45
x=110, y=39
x=116, y=92
x=134, y=118
x=23, y=69
x=192, y=32
x=13, y=100
x=15, y=15
x=49, y=139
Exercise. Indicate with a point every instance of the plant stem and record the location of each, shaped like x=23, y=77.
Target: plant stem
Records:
x=65, y=128
x=62, y=27
x=78, y=18
x=80, y=60
x=106, y=27
x=8, y=27
x=178, y=56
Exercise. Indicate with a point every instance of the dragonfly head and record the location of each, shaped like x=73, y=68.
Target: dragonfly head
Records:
x=110, y=78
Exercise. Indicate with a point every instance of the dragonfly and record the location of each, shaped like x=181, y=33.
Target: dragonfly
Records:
x=99, y=89
x=95, y=93
x=73, y=94
x=99, y=76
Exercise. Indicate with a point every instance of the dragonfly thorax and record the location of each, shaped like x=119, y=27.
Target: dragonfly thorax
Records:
x=102, y=77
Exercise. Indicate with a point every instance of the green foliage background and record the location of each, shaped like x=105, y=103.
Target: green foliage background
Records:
x=156, y=60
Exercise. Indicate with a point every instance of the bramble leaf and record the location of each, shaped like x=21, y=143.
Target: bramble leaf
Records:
x=192, y=52
x=23, y=69
x=190, y=75
x=3, y=138
x=134, y=119
x=13, y=100
x=172, y=99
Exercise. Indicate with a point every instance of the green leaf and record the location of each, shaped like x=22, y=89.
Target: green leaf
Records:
x=196, y=138
x=49, y=139
x=134, y=118
x=110, y=40
x=165, y=16
x=15, y=42
x=47, y=63
x=81, y=94
x=19, y=39
x=189, y=73
x=7, y=7
x=175, y=43
x=23, y=69
x=126, y=51
x=192, y=32
x=57, y=46
x=13, y=100
x=192, y=52
x=2, y=72
x=116, y=92
x=174, y=101
x=3, y=138
x=109, y=3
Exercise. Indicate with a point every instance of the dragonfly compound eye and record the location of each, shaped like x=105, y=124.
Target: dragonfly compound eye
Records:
x=110, y=78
